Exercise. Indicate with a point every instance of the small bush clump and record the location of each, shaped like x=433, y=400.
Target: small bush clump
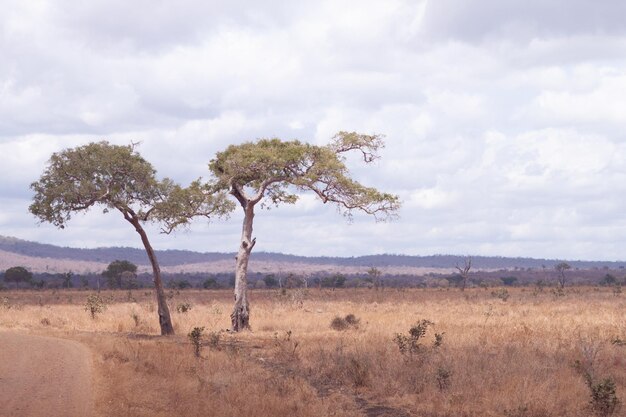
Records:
x=195, y=337
x=183, y=307
x=350, y=321
x=502, y=294
x=604, y=401
x=411, y=343
x=95, y=305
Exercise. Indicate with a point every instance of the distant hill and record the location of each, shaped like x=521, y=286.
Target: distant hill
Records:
x=188, y=261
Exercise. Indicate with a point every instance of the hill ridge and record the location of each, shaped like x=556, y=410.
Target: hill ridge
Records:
x=173, y=257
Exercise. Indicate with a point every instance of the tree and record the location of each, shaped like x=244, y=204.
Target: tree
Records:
x=561, y=267
x=464, y=271
x=67, y=279
x=118, y=178
x=374, y=275
x=114, y=272
x=508, y=281
x=272, y=172
x=17, y=274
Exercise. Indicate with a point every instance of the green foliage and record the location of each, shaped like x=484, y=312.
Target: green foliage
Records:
x=119, y=271
x=195, y=337
x=18, y=274
x=95, y=305
x=118, y=178
x=277, y=170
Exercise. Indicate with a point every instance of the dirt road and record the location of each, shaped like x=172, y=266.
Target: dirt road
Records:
x=44, y=376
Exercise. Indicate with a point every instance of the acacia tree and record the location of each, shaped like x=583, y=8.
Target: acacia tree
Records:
x=561, y=267
x=114, y=272
x=272, y=171
x=118, y=178
x=464, y=271
x=17, y=274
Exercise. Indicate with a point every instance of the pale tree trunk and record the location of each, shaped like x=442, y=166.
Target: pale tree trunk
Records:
x=240, y=316
x=165, y=321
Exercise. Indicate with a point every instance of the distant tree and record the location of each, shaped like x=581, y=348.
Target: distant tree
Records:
x=464, y=271
x=118, y=178
x=114, y=272
x=179, y=284
x=508, y=281
x=374, y=275
x=210, y=283
x=608, y=279
x=67, y=279
x=17, y=274
x=561, y=267
x=272, y=171
x=455, y=280
x=334, y=281
x=270, y=281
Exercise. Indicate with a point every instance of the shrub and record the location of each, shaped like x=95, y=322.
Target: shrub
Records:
x=604, y=401
x=183, y=307
x=411, y=343
x=195, y=337
x=443, y=377
x=214, y=339
x=350, y=321
x=502, y=294
x=95, y=305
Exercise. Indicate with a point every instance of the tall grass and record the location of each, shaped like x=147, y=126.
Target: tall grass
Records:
x=514, y=357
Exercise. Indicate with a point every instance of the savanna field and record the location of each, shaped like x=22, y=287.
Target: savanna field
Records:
x=515, y=352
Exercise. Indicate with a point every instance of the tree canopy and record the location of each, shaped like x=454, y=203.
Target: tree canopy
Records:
x=17, y=274
x=277, y=170
x=118, y=178
x=116, y=270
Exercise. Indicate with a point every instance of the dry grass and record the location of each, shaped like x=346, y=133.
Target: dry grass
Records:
x=511, y=358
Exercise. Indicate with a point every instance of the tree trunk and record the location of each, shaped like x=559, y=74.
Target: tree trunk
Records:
x=165, y=321
x=240, y=316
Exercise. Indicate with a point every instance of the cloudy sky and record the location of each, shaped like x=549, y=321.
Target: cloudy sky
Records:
x=504, y=120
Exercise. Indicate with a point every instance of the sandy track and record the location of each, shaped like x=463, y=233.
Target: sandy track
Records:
x=44, y=376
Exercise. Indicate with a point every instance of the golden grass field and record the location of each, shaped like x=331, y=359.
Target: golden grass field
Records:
x=523, y=357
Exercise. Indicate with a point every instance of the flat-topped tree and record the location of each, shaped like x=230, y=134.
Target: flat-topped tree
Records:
x=272, y=171
x=118, y=178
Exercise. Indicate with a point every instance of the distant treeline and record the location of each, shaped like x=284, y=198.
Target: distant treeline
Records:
x=528, y=277
x=181, y=257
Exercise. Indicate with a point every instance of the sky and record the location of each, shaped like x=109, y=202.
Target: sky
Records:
x=504, y=121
